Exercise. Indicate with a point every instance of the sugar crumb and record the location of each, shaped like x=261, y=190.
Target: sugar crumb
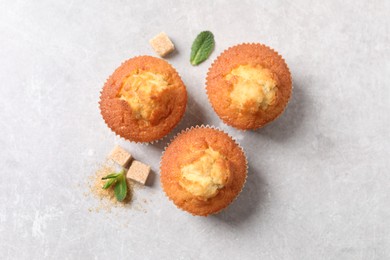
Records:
x=107, y=199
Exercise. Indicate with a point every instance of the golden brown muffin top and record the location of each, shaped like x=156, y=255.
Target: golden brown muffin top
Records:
x=143, y=99
x=203, y=170
x=249, y=85
x=145, y=91
x=254, y=88
x=205, y=174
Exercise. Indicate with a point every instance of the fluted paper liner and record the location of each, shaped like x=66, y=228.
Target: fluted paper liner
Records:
x=234, y=140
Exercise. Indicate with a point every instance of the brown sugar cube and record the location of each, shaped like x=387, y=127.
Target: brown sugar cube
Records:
x=120, y=156
x=138, y=172
x=162, y=44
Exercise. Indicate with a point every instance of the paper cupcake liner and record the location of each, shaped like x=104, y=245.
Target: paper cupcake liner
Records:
x=215, y=61
x=235, y=141
x=132, y=141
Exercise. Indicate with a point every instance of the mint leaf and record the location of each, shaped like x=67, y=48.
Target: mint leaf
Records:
x=120, y=189
x=118, y=180
x=109, y=183
x=202, y=47
x=110, y=176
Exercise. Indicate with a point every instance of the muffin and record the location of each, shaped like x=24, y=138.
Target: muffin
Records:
x=249, y=85
x=143, y=100
x=203, y=170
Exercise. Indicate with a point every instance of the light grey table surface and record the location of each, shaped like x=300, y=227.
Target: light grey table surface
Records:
x=319, y=177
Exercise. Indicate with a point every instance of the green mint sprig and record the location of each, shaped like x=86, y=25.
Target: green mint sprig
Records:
x=118, y=180
x=202, y=47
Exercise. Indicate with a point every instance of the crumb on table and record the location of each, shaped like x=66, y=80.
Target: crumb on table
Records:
x=107, y=199
x=161, y=44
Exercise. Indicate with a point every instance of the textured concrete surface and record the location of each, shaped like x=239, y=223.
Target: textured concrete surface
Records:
x=319, y=176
